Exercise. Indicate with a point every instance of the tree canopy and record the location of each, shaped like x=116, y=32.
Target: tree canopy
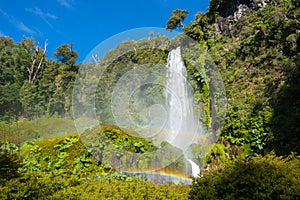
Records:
x=176, y=19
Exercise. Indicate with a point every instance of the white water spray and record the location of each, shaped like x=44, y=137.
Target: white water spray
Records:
x=181, y=124
x=195, y=168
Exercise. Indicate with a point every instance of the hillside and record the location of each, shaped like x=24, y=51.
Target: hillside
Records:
x=256, y=48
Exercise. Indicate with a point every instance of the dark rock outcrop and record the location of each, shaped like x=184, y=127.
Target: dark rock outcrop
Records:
x=230, y=11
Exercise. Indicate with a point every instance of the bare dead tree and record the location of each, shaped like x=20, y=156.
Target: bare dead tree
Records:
x=95, y=58
x=36, y=65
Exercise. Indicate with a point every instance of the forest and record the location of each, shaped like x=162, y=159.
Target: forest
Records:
x=256, y=46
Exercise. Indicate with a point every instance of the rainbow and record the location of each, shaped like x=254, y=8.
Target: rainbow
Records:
x=163, y=177
x=158, y=177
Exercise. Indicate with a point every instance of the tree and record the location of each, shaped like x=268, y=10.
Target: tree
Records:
x=37, y=61
x=64, y=80
x=176, y=19
x=47, y=86
x=13, y=63
x=66, y=55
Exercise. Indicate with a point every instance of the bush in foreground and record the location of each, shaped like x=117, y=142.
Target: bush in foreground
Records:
x=268, y=177
x=46, y=186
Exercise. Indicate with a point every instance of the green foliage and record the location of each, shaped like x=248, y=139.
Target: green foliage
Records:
x=8, y=148
x=12, y=74
x=63, y=168
x=176, y=19
x=258, y=62
x=258, y=59
x=24, y=130
x=268, y=177
x=65, y=54
x=60, y=156
x=9, y=166
x=49, y=94
x=201, y=29
x=45, y=186
x=127, y=141
x=110, y=144
x=135, y=56
x=66, y=143
x=37, y=186
x=9, y=161
x=219, y=152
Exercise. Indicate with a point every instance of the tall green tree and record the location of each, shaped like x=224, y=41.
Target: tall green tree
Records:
x=176, y=19
x=13, y=62
x=65, y=78
x=66, y=55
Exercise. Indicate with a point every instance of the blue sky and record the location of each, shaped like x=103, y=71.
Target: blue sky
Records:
x=86, y=23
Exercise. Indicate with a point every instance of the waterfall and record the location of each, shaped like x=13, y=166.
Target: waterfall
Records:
x=195, y=168
x=181, y=124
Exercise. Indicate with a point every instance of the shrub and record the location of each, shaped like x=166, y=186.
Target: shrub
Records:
x=268, y=177
x=9, y=161
x=46, y=186
x=9, y=165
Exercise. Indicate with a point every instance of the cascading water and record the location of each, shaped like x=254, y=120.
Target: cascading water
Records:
x=195, y=168
x=181, y=124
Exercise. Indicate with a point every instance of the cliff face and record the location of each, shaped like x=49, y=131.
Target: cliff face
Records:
x=230, y=11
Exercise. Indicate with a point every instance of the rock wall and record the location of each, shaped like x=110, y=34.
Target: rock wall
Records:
x=230, y=11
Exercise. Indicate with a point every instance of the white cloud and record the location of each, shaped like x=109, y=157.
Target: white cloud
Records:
x=3, y=13
x=40, y=13
x=21, y=26
x=66, y=3
x=18, y=24
x=43, y=15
